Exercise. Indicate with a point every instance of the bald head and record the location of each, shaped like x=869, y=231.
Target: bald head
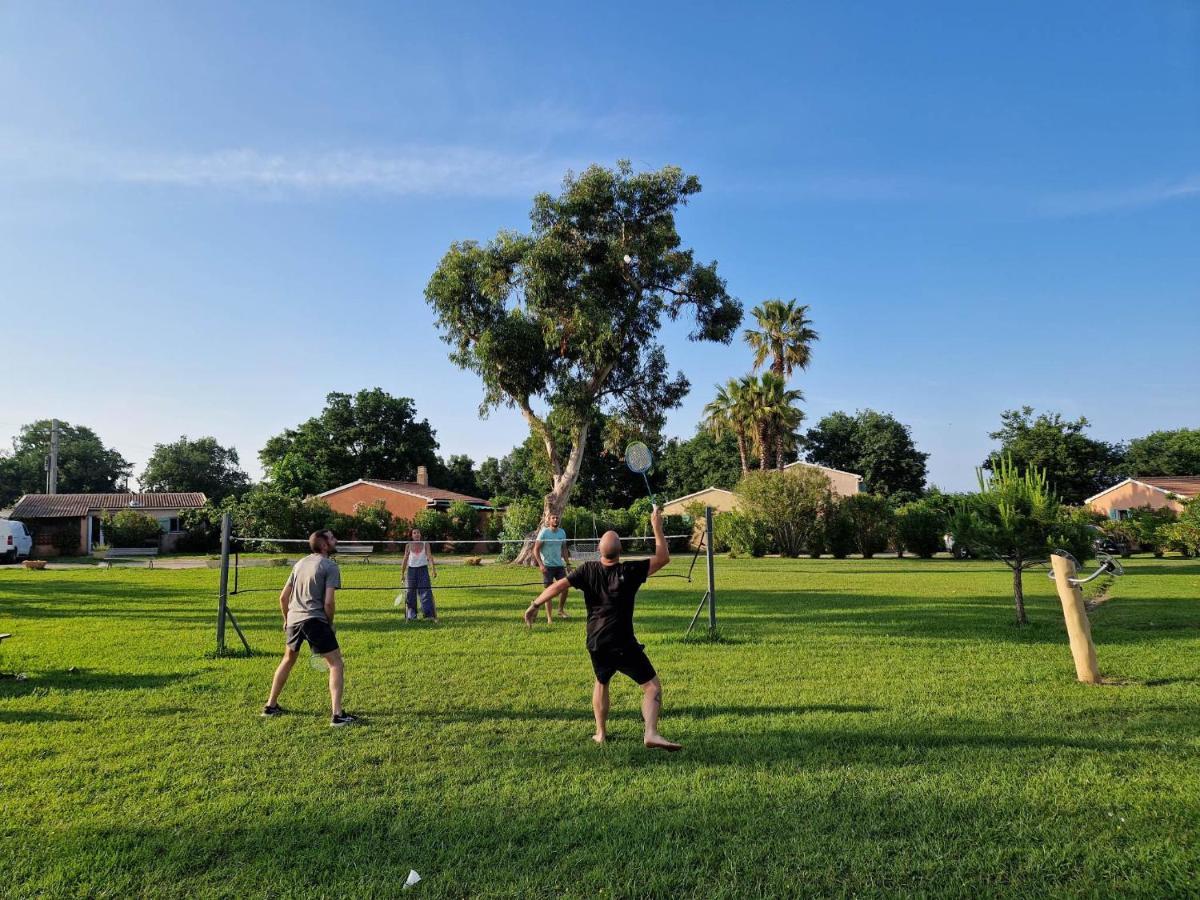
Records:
x=610, y=545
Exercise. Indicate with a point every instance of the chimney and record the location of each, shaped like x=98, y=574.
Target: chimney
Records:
x=423, y=476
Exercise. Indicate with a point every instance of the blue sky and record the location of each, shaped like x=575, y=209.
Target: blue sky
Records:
x=213, y=214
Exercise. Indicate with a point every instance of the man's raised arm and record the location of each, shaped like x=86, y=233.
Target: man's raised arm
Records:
x=662, y=555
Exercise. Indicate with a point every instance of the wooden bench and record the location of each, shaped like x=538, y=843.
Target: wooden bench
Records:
x=119, y=553
x=355, y=549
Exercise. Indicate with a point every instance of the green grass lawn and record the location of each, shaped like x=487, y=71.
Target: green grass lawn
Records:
x=874, y=727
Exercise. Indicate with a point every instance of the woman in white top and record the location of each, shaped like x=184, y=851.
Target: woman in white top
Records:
x=418, y=567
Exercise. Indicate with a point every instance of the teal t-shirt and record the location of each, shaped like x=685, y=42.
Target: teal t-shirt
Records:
x=552, y=546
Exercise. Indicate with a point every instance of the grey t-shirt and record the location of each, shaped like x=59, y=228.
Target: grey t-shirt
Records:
x=309, y=579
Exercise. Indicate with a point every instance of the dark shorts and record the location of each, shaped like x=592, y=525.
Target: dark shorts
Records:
x=553, y=573
x=316, y=632
x=631, y=661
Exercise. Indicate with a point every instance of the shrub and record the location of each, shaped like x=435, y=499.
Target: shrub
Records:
x=1144, y=528
x=1184, y=533
x=837, y=532
x=721, y=531
x=871, y=522
x=817, y=541
x=741, y=535
x=919, y=528
x=464, y=521
x=129, y=528
x=264, y=512
x=434, y=524
x=520, y=522
x=371, y=522
x=494, y=527
x=623, y=521
x=786, y=504
x=66, y=540
x=201, y=529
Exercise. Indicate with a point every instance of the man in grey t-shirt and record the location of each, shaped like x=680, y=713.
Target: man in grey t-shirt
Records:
x=307, y=605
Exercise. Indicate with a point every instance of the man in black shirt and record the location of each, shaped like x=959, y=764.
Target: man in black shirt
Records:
x=609, y=588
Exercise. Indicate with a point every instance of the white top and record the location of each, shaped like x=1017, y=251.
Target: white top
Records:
x=418, y=558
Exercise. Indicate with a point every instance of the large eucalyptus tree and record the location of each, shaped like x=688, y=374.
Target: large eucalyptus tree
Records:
x=564, y=320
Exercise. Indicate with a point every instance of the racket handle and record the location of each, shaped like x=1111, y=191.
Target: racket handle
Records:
x=648, y=490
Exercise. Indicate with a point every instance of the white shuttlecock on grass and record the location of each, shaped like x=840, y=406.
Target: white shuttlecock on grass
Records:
x=628, y=259
x=412, y=879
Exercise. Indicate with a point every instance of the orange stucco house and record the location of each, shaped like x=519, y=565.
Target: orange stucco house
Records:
x=1155, y=492
x=403, y=499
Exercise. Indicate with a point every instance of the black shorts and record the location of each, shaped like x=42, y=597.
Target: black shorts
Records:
x=552, y=574
x=631, y=661
x=317, y=632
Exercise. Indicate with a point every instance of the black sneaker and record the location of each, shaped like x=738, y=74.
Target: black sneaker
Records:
x=343, y=719
x=272, y=710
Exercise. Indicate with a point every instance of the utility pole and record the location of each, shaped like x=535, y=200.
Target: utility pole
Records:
x=52, y=478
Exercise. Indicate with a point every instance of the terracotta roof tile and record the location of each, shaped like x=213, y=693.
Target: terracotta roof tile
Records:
x=426, y=491
x=63, y=506
x=1183, y=485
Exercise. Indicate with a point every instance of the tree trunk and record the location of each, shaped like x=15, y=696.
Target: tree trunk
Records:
x=1019, y=593
x=764, y=447
x=741, y=439
x=778, y=448
x=560, y=492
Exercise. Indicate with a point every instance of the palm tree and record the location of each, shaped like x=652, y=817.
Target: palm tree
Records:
x=775, y=417
x=787, y=417
x=729, y=412
x=784, y=336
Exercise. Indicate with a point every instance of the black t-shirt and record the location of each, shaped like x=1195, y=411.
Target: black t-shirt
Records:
x=608, y=592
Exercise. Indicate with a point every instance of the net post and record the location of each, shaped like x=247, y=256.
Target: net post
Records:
x=708, y=553
x=223, y=600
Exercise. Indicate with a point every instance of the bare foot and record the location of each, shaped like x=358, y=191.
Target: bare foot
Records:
x=658, y=742
x=599, y=738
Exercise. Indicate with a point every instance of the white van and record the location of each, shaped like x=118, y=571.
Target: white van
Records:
x=15, y=541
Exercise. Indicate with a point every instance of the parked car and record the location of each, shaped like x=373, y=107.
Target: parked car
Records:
x=16, y=543
x=958, y=551
x=1107, y=543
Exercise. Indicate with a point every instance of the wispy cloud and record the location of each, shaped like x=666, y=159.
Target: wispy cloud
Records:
x=413, y=170
x=434, y=170
x=1083, y=203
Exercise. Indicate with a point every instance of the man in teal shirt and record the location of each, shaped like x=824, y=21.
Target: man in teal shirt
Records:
x=551, y=553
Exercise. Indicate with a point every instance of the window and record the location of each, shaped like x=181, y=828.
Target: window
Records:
x=173, y=524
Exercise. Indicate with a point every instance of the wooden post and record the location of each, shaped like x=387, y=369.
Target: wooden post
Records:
x=1079, y=630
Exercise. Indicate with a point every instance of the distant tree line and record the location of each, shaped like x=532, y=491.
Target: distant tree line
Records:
x=372, y=434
